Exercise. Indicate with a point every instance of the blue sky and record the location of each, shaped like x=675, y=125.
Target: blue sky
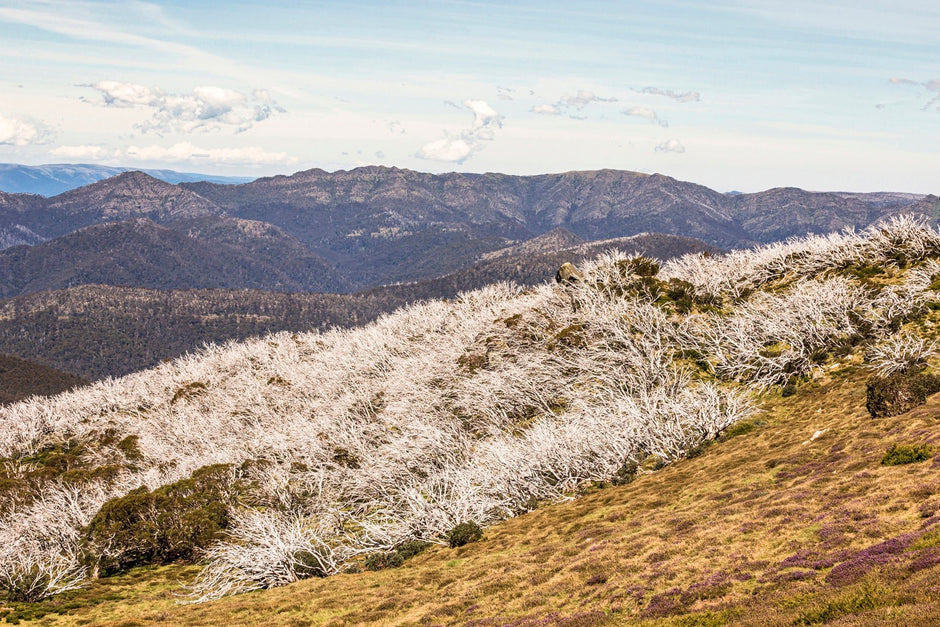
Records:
x=735, y=95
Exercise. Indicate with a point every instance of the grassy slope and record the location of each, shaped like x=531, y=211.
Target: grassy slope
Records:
x=768, y=527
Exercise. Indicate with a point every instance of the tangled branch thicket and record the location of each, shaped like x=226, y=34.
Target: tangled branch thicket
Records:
x=444, y=413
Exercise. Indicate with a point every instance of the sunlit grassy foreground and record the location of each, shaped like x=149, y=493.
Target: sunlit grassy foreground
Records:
x=771, y=527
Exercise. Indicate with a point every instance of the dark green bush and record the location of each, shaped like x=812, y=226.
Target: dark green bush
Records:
x=464, y=533
x=788, y=390
x=625, y=474
x=639, y=266
x=698, y=449
x=906, y=454
x=395, y=558
x=171, y=523
x=647, y=286
x=685, y=297
x=898, y=393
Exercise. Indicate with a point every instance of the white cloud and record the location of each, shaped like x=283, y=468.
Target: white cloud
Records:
x=689, y=96
x=545, y=109
x=18, y=132
x=185, y=152
x=206, y=108
x=582, y=99
x=670, y=145
x=483, y=113
x=647, y=114
x=92, y=153
x=457, y=148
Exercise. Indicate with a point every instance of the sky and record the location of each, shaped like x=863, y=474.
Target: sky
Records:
x=737, y=95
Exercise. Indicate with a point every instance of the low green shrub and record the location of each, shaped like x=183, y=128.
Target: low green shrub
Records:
x=464, y=533
x=898, y=393
x=171, y=523
x=740, y=428
x=638, y=266
x=395, y=558
x=906, y=454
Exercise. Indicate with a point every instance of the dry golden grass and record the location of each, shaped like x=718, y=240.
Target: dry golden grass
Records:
x=782, y=524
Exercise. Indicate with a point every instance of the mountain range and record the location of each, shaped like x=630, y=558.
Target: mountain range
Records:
x=55, y=178
x=353, y=230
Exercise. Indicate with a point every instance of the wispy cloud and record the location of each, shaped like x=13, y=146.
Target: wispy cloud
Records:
x=647, y=114
x=582, y=99
x=16, y=131
x=185, y=152
x=670, y=145
x=206, y=108
x=932, y=87
x=54, y=18
x=571, y=105
x=688, y=96
x=457, y=148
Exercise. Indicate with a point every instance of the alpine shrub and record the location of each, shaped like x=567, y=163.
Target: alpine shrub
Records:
x=897, y=393
x=906, y=454
x=464, y=533
x=171, y=523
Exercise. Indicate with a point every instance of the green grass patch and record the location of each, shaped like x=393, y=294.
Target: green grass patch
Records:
x=928, y=540
x=867, y=597
x=741, y=427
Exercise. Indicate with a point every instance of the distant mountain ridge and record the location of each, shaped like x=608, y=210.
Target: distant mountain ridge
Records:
x=56, y=178
x=376, y=226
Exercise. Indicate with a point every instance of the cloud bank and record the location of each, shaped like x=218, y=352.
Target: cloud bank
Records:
x=185, y=152
x=206, y=108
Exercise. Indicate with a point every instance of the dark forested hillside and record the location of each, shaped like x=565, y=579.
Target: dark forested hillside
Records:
x=20, y=379
x=97, y=330
x=208, y=252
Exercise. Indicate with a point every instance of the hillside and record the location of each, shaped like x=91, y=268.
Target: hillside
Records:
x=767, y=527
x=209, y=252
x=376, y=226
x=20, y=379
x=132, y=328
x=699, y=385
